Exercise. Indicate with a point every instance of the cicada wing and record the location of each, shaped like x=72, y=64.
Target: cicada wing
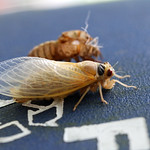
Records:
x=12, y=74
x=32, y=77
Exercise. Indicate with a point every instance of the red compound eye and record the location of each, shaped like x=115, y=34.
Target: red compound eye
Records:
x=109, y=73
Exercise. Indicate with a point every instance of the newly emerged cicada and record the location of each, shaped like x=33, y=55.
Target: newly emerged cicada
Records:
x=76, y=44
x=33, y=78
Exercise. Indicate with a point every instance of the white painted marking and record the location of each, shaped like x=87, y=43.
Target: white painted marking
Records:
x=4, y=103
x=136, y=130
x=58, y=103
x=7, y=139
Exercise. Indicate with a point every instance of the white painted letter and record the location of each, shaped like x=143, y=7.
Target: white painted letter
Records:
x=24, y=132
x=58, y=103
x=135, y=129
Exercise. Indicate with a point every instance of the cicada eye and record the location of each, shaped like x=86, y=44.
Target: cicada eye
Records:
x=101, y=69
x=109, y=72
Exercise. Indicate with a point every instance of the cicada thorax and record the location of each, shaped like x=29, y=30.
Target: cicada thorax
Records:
x=66, y=50
x=75, y=35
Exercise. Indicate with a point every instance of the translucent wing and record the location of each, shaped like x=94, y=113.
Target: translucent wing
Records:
x=31, y=77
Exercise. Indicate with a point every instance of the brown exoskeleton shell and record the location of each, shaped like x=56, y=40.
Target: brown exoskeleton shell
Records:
x=76, y=44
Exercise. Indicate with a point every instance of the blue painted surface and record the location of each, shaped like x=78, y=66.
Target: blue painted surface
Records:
x=124, y=31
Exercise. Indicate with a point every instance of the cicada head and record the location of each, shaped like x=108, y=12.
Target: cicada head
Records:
x=105, y=70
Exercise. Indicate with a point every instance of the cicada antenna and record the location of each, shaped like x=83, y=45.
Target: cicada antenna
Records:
x=120, y=71
x=115, y=64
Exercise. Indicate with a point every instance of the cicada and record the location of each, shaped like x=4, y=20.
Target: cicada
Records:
x=75, y=44
x=34, y=78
